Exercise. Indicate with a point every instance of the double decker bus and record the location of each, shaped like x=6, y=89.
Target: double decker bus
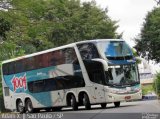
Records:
x=84, y=73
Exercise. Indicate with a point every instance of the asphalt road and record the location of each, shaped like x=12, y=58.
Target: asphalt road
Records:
x=128, y=110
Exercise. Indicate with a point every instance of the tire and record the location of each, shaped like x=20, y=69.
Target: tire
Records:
x=116, y=104
x=29, y=106
x=20, y=107
x=73, y=103
x=103, y=105
x=86, y=102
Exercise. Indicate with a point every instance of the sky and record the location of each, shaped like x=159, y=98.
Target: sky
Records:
x=130, y=15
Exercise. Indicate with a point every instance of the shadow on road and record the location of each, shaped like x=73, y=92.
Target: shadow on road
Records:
x=94, y=107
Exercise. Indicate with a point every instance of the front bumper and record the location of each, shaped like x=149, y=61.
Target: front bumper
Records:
x=111, y=97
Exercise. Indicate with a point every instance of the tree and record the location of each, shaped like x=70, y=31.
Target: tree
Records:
x=39, y=25
x=4, y=27
x=157, y=1
x=149, y=40
x=156, y=84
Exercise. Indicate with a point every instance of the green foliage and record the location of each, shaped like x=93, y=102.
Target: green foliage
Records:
x=156, y=84
x=149, y=41
x=34, y=25
x=41, y=24
x=138, y=60
x=4, y=27
x=9, y=50
x=147, y=89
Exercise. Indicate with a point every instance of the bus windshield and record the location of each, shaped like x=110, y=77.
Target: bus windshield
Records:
x=122, y=75
x=115, y=49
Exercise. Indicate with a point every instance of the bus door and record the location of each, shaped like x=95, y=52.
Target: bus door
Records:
x=96, y=74
x=98, y=85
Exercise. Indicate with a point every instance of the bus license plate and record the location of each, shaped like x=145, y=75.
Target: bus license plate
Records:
x=127, y=97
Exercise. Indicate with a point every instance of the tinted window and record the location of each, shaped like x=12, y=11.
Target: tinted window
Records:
x=6, y=91
x=19, y=66
x=95, y=71
x=11, y=68
x=62, y=79
x=41, y=61
x=31, y=63
x=5, y=69
x=88, y=51
x=63, y=57
x=57, y=83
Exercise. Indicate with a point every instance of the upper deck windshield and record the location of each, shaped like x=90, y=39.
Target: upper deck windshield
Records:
x=115, y=49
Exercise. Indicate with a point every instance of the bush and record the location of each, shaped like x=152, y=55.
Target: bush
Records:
x=156, y=84
x=146, y=89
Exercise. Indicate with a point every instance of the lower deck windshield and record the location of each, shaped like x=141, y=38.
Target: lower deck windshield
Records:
x=122, y=75
x=116, y=76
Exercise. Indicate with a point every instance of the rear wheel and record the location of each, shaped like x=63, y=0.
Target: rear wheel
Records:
x=103, y=105
x=116, y=104
x=73, y=102
x=29, y=106
x=86, y=101
x=20, y=106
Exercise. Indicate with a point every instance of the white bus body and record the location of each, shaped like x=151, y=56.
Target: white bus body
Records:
x=83, y=73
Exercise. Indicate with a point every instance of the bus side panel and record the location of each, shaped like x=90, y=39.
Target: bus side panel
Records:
x=7, y=96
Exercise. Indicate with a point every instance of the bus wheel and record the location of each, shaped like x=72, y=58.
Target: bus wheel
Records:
x=103, y=105
x=86, y=101
x=29, y=107
x=20, y=106
x=73, y=102
x=116, y=104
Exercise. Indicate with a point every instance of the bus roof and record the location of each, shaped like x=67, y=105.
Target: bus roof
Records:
x=58, y=48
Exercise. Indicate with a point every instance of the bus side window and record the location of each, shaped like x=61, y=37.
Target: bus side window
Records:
x=5, y=69
x=29, y=63
x=11, y=68
x=38, y=86
x=41, y=61
x=70, y=56
x=88, y=51
x=19, y=66
x=6, y=91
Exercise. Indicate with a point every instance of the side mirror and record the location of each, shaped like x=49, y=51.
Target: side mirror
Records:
x=105, y=65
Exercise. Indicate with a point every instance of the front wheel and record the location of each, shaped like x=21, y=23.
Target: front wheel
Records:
x=86, y=102
x=116, y=104
x=29, y=106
